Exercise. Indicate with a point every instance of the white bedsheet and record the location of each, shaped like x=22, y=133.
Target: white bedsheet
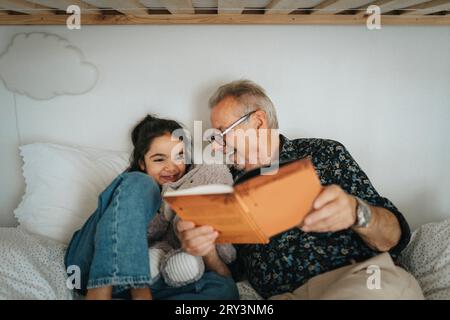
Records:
x=427, y=257
x=31, y=267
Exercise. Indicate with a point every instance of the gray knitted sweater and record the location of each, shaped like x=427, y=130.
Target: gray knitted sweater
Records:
x=162, y=227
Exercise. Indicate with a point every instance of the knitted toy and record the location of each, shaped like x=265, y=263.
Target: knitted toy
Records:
x=167, y=259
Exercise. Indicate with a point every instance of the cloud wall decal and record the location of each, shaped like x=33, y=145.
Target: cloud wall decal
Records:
x=42, y=66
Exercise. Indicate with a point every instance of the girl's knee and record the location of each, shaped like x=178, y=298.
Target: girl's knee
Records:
x=139, y=192
x=140, y=180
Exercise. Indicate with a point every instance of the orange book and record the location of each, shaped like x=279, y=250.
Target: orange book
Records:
x=256, y=208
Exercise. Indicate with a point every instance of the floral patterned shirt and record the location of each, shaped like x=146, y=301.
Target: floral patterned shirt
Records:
x=293, y=257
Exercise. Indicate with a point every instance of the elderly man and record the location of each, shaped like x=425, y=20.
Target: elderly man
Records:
x=347, y=245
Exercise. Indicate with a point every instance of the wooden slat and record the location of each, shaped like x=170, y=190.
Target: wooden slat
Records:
x=25, y=7
x=335, y=6
x=362, y=11
x=222, y=19
x=389, y=5
x=428, y=7
x=398, y=4
x=178, y=6
x=324, y=6
x=287, y=6
x=130, y=7
x=230, y=6
x=282, y=6
x=64, y=4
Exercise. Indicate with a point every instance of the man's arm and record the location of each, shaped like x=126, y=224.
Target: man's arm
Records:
x=335, y=210
x=383, y=232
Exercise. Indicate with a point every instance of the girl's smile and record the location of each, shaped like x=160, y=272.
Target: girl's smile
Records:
x=164, y=161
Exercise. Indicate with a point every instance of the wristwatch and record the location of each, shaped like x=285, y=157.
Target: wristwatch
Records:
x=363, y=214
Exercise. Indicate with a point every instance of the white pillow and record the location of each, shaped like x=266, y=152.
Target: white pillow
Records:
x=427, y=257
x=62, y=186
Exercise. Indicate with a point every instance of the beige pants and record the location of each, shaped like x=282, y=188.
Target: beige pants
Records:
x=376, y=278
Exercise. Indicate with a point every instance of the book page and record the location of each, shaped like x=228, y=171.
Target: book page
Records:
x=206, y=189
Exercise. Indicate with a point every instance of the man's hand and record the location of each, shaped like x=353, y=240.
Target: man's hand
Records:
x=333, y=210
x=198, y=241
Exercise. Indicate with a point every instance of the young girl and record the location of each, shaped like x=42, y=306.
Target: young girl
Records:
x=111, y=249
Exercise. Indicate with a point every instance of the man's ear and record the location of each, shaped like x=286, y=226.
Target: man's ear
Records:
x=261, y=119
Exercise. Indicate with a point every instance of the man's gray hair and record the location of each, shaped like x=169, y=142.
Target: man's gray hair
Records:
x=250, y=95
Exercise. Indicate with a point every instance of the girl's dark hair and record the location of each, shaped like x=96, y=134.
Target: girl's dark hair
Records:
x=145, y=132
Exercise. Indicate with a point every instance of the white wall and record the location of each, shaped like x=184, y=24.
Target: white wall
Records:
x=385, y=94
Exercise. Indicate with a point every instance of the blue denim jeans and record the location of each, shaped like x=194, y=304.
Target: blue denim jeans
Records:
x=112, y=249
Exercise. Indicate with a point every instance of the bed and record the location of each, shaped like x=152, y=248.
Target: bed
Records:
x=33, y=268
x=32, y=255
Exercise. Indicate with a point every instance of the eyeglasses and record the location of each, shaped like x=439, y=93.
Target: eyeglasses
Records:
x=219, y=137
